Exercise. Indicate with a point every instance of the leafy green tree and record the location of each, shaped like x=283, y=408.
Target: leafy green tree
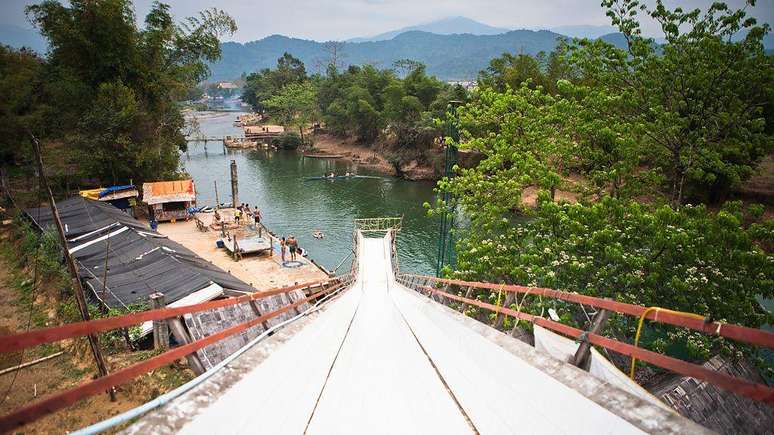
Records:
x=689, y=259
x=294, y=105
x=266, y=83
x=697, y=102
x=114, y=87
x=22, y=108
x=511, y=71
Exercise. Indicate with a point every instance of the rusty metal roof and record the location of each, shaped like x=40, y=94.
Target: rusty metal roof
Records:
x=168, y=191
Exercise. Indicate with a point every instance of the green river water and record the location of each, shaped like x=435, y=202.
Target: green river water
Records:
x=274, y=181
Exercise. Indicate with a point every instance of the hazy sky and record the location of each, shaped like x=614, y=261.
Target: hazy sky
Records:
x=342, y=19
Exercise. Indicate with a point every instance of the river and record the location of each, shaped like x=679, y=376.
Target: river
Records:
x=274, y=181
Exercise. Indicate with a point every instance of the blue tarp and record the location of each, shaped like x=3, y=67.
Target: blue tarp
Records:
x=113, y=189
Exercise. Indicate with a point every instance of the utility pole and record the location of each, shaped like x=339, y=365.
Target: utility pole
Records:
x=74, y=275
x=445, y=239
x=217, y=200
x=234, y=185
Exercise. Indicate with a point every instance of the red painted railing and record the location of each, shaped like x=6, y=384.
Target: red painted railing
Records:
x=57, y=401
x=759, y=392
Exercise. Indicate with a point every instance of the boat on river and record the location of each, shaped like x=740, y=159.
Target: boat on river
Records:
x=324, y=156
x=340, y=177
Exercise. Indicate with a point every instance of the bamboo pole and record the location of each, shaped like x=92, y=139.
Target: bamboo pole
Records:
x=80, y=296
x=30, y=363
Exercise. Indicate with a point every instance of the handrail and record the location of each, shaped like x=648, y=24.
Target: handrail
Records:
x=759, y=392
x=12, y=343
x=744, y=334
x=55, y=402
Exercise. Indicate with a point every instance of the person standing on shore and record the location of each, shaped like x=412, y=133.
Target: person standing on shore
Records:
x=293, y=245
x=283, y=245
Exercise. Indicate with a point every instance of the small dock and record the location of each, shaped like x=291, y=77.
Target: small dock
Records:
x=262, y=270
x=203, y=139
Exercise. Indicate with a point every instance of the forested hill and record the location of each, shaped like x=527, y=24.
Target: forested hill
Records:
x=448, y=57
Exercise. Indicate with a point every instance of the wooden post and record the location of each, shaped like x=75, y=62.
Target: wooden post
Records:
x=468, y=293
x=500, y=317
x=160, y=328
x=581, y=358
x=181, y=336
x=104, y=307
x=234, y=185
x=236, y=249
x=80, y=296
x=257, y=312
x=217, y=200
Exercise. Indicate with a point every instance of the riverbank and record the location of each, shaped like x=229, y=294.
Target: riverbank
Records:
x=262, y=271
x=379, y=158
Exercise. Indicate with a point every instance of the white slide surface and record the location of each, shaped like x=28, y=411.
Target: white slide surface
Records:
x=383, y=359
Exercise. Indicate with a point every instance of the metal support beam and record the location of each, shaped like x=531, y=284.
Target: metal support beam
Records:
x=581, y=358
x=180, y=333
x=160, y=328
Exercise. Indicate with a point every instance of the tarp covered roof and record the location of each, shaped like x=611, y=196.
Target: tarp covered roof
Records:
x=110, y=193
x=140, y=261
x=168, y=191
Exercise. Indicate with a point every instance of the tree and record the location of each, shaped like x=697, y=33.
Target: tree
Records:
x=335, y=53
x=264, y=84
x=294, y=105
x=511, y=71
x=114, y=87
x=604, y=126
x=22, y=108
x=697, y=102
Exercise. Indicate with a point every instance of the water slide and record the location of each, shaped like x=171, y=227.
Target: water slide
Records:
x=382, y=358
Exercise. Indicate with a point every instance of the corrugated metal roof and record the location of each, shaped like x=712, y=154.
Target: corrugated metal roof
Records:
x=140, y=261
x=168, y=191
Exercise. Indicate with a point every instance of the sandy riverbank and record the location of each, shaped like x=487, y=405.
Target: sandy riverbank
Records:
x=262, y=271
x=374, y=159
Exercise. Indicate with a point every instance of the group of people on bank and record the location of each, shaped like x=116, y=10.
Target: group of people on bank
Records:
x=244, y=214
x=243, y=211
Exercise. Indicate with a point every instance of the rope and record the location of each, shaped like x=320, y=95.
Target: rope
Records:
x=641, y=321
x=518, y=307
x=497, y=304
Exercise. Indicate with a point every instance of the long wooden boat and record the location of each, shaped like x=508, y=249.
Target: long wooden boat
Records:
x=324, y=156
x=340, y=177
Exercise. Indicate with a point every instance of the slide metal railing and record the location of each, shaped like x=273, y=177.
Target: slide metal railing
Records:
x=57, y=401
x=442, y=290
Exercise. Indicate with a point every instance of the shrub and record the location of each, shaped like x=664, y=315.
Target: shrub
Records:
x=288, y=141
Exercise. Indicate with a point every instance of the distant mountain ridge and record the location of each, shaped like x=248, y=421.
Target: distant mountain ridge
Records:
x=584, y=31
x=449, y=57
x=446, y=26
x=458, y=55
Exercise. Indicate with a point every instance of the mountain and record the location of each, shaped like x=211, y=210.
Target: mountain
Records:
x=584, y=31
x=446, y=26
x=18, y=37
x=449, y=57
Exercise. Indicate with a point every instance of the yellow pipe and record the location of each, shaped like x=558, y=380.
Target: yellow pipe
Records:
x=639, y=328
